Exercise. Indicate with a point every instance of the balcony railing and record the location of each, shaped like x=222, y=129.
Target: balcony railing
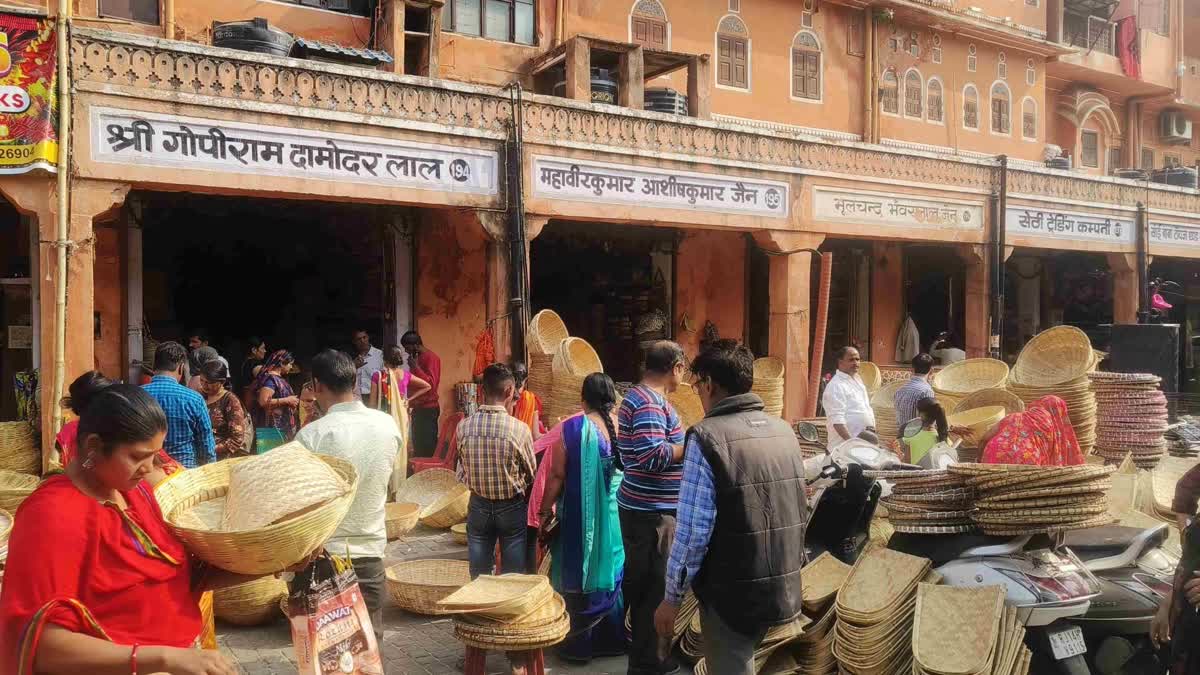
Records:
x=1090, y=33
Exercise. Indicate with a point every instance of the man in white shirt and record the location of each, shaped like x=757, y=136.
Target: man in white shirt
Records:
x=848, y=412
x=369, y=440
x=368, y=360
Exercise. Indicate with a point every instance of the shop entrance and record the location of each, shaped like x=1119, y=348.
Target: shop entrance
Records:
x=611, y=284
x=1181, y=288
x=300, y=275
x=1044, y=289
x=17, y=306
x=935, y=282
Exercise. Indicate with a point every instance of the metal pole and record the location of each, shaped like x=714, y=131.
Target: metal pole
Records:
x=1143, y=264
x=61, y=241
x=998, y=280
x=519, y=265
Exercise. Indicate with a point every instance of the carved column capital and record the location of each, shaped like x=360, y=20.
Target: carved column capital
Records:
x=778, y=241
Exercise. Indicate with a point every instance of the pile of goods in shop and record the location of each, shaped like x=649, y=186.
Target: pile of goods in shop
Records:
x=1133, y=417
x=509, y=612
x=927, y=502
x=768, y=383
x=1056, y=362
x=967, y=631
x=1183, y=438
x=1013, y=500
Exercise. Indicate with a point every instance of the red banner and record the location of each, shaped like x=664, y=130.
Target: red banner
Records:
x=28, y=94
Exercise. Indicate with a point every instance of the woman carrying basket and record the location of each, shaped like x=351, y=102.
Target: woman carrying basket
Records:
x=105, y=587
x=587, y=556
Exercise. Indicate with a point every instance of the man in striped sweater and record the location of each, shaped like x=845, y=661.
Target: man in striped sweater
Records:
x=650, y=442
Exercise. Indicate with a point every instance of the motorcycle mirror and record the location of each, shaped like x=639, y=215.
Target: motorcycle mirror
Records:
x=912, y=428
x=807, y=431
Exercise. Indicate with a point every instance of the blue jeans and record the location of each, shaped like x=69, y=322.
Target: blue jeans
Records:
x=489, y=520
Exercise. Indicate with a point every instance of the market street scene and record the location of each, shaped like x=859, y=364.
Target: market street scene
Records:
x=630, y=337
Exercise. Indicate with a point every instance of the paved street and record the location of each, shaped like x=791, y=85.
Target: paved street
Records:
x=412, y=644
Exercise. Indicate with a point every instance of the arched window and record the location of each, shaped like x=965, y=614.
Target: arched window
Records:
x=806, y=66
x=1001, y=109
x=1029, y=120
x=913, y=94
x=733, y=53
x=888, y=94
x=970, y=107
x=933, y=100
x=648, y=25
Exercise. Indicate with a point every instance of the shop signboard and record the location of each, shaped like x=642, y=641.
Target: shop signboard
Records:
x=605, y=183
x=171, y=141
x=28, y=94
x=1056, y=224
x=1172, y=234
x=880, y=208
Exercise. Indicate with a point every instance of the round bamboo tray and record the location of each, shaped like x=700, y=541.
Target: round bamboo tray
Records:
x=250, y=604
x=546, y=331
x=768, y=368
x=988, y=397
x=418, y=585
x=871, y=377
x=686, y=402
x=576, y=357
x=15, y=488
x=968, y=376
x=459, y=533
x=978, y=420
x=402, y=517
x=1060, y=354
x=18, y=448
x=265, y=550
x=450, y=510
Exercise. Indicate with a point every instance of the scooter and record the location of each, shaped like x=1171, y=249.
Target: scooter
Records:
x=842, y=500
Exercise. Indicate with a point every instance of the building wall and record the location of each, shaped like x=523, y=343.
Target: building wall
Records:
x=109, y=282
x=710, y=285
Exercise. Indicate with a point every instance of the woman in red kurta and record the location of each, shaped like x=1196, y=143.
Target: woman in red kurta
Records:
x=95, y=582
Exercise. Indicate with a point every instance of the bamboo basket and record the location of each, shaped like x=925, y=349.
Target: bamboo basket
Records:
x=575, y=356
x=1055, y=356
x=978, y=420
x=546, y=331
x=18, y=448
x=987, y=397
x=871, y=376
x=15, y=488
x=418, y=585
x=968, y=376
x=459, y=533
x=686, y=402
x=768, y=368
x=250, y=604
x=426, y=487
x=402, y=517
x=265, y=550
x=450, y=510
x=768, y=384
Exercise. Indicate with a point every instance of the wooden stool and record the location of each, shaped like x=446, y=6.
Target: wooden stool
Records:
x=531, y=660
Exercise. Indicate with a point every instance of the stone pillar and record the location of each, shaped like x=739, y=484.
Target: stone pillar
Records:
x=700, y=87
x=887, y=303
x=790, y=314
x=389, y=35
x=498, y=300
x=977, y=299
x=1125, y=286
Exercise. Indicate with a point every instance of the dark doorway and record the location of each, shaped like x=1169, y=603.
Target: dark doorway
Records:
x=935, y=280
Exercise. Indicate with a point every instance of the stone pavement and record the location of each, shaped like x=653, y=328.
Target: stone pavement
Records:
x=412, y=644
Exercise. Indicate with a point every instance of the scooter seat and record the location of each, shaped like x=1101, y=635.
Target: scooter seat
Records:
x=1112, y=546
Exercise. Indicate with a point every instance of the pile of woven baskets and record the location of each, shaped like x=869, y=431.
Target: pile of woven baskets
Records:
x=18, y=448
x=14, y=488
x=558, y=364
x=1057, y=362
x=417, y=585
x=967, y=631
x=820, y=581
x=1017, y=499
x=252, y=603
x=883, y=403
x=1132, y=417
x=686, y=403
x=873, y=631
x=768, y=383
x=546, y=330
x=258, y=515
x=443, y=501
x=927, y=502
x=871, y=376
x=509, y=612
x=959, y=380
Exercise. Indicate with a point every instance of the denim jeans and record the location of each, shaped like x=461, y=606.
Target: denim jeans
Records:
x=489, y=520
x=647, y=536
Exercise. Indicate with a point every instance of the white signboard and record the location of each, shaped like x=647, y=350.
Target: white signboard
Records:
x=1171, y=234
x=171, y=141
x=605, y=183
x=1056, y=224
x=877, y=208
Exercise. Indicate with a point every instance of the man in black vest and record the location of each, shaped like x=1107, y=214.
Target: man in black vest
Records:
x=739, y=537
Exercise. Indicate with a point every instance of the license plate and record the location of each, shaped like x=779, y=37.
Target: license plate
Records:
x=1067, y=642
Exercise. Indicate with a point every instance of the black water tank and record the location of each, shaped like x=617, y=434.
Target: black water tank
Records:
x=604, y=87
x=1059, y=163
x=1182, y=176
x=665, y=100
x=255, y=35
x=1132, y=174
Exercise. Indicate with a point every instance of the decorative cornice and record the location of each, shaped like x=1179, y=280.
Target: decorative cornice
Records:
x=162, y=70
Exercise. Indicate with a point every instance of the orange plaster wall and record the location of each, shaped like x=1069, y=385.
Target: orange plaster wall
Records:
x=710, y=273
x=106, y=275
x=451, y=279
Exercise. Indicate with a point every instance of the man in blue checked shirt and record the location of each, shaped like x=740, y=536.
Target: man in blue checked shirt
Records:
x=739, y=534
x=189, y=438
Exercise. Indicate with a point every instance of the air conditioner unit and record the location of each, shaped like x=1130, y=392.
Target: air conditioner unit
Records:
x=1174, y=127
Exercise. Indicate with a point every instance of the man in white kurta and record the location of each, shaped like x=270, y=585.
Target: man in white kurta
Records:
x=847, y=405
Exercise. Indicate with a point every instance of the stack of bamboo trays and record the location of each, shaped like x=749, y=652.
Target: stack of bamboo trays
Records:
x=967, y=631
x=509, y=612
x=573, y=361
x=958, y=380
x=1056, y=362
x=1017, y=499
x=873, y=631
x=1132, y=415
x=883, y=403
x=546, y=331
x=768, y=383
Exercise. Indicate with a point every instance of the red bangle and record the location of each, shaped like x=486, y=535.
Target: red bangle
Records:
x=133, y=660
